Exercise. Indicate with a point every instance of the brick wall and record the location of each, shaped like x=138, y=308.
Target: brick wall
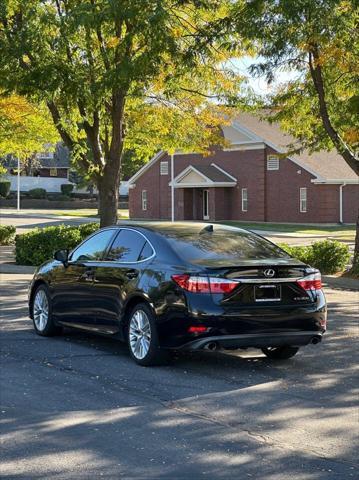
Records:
x=273, y=195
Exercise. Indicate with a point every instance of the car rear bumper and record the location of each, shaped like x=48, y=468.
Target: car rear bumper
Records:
x=254, y=340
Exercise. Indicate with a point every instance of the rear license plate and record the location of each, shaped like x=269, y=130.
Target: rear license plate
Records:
x=267, y=293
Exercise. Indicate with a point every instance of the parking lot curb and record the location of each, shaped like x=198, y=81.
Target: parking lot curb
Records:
x=341, y=282
x=12, y=268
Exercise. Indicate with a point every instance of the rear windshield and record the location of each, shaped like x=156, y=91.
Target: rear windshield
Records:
x=223, y=244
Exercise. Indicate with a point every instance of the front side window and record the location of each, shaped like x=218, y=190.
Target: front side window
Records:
x=127, y=247
x=94, y=248
x=244, y=200
x=303, y=200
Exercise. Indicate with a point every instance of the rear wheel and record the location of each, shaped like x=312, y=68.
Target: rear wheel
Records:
x=143, y=339
x=280, y=353
x=42, y=313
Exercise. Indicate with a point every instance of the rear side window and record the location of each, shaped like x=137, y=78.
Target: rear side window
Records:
x=126, y=247
x=146, y=252
x=223, y=244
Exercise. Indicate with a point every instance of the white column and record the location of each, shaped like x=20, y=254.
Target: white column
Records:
x=172, y=190
x=341, y=202
x=18, y=184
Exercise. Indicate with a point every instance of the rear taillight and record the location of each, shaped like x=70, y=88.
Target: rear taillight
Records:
x=197, y=284
x=311, y=282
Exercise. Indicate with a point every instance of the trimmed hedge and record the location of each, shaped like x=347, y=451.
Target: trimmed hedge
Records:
x=66, y=188
x=37, y=193
x=4, y=188
x=7, y=234
x=329, y=256
x=39, y=245
x=59, y=197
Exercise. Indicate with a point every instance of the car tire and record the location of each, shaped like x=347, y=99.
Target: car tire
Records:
x=142, y=337
x=42, y=313
x=280, y=353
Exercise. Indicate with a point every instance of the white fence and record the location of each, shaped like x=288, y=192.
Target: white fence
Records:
x=50, y=184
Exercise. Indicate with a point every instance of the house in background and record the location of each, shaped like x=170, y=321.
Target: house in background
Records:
x=250, y=180
x=54, y=164
x=49, y=170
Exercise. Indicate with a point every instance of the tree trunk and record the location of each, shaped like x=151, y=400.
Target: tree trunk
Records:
x=355, y=267
x=109, y=193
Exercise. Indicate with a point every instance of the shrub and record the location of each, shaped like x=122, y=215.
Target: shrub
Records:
x=37, y=193
x=302, y=253
x=59, y=198
x=4, y=188
x=7, y=234
x=329, y=256
x=87, y=228
x=39, y=245
x=66, y=188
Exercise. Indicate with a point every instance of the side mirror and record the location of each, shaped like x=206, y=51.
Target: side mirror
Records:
x=62, y=256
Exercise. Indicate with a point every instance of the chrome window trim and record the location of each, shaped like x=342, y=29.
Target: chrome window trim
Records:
x=137, y=261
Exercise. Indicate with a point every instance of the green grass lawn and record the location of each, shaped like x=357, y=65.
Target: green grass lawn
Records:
x=346, y=232
x=85, y=212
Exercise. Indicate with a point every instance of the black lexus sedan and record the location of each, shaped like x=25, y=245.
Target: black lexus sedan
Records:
x=172, y=286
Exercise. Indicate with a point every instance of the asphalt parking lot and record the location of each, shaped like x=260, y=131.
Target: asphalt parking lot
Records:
x=77, y=407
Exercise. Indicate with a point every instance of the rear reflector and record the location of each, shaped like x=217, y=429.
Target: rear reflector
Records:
x=197, y=329
x=204, y=284
x=311, y=282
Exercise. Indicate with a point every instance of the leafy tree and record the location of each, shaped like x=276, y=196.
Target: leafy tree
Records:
x=319, y=40
x=104, y=67
x=24, y=127
x=132, y=162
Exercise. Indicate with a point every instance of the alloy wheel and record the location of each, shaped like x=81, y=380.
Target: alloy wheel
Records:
x=140, y=334
x=41, y=310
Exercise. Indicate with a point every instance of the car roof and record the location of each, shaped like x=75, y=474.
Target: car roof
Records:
x=177, y=227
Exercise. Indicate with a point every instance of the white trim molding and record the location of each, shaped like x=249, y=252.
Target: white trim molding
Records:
x=146, y=167
x=207, y=182
x=238, y=146
x=350, y=181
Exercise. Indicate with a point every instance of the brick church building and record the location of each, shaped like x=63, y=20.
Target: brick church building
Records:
x=250, y=180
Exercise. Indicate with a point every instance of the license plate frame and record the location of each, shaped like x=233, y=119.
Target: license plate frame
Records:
x=268, y=293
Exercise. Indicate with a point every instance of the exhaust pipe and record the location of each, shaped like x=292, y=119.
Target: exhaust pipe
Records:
x=211, y=346
x=315, y=340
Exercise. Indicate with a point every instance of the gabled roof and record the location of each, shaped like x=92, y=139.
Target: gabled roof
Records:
x=204, y=176
x=249, y=131
x=326, y=166
x=146, y=166
x=60, y=159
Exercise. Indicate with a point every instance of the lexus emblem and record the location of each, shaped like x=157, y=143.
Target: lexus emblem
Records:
x=269, y=273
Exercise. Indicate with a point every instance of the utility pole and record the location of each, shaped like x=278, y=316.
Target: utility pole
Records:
x=18, y=184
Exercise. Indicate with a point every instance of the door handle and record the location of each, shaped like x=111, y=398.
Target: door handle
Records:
x=131, y=274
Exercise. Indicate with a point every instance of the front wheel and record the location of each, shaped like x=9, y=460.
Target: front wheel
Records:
x=280, y=353
x=42, y=313
x=143, y=339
